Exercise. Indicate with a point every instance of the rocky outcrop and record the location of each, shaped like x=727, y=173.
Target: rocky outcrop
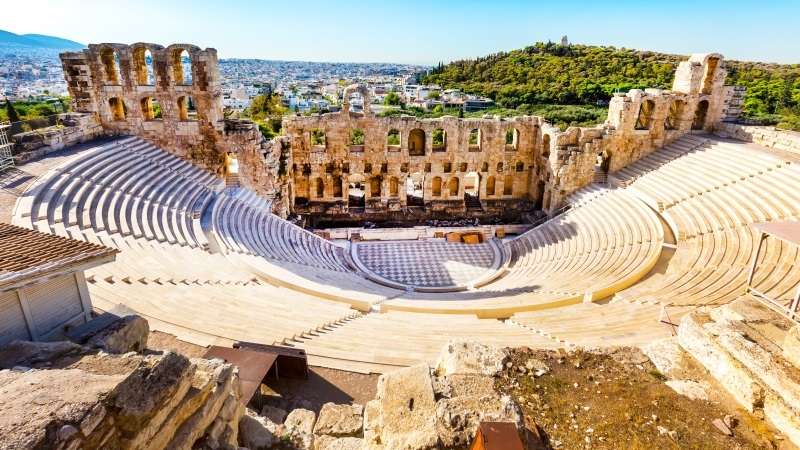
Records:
x=736, y=343
x=791, y=346
x=340, y=420
x=92, y=400
x=465, y=356
x=127, y=334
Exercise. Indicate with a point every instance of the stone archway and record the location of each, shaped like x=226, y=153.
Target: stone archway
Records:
x=355, y=89
x=415, y=189
x=356, y=191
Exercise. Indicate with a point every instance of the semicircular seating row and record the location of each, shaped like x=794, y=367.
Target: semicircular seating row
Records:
x=132, y=196
x=709, y=190
x=590, y=252
x=288, y=255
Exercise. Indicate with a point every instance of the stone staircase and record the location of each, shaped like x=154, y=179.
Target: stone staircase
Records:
x=472, y=203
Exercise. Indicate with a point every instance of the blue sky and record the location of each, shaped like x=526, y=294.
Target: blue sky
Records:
x=417, y=31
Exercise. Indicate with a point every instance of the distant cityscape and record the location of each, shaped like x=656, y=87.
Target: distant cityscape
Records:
x=30, y=72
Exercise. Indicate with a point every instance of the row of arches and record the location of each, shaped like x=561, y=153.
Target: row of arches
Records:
x=417, y=140
x=151, y=108
x=179, y=61
x=645, y=119
x=357, y=186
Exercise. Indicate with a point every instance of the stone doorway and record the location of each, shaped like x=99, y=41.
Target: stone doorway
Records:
x=356, y=195
x=415, y=190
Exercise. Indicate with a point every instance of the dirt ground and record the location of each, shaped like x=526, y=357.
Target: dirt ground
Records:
x=621, y=401
x=323, y=385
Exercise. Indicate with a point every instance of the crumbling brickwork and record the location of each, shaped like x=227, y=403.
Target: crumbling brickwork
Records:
x=399, y=167
x=442, y=159
x=125, y=86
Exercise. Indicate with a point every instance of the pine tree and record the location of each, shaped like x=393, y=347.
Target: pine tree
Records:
x=12, y=113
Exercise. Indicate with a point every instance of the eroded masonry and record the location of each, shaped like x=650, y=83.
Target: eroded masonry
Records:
x=356, y=166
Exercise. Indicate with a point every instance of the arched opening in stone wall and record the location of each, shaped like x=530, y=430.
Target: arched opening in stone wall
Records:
x=416, y=142
x=646, y=110
x=394, y=188
x=512, y=139
x=452, y=185
x=475, y=140
x=118, y=109
x=485, y=167
x=546, y=145
x=110, y=61
x=355, y=100
x=181, y=64
x=436, y=187
x=356, y=140
x=520, y=167
x=301, y=191
x=143, y=66
x=699, y=121
x=415, y=189
x=148, y=106
x=708, y=77
x=439, y=140
x=602, y=162
x=393, y=140
x=546, y=204
x=356, y=191
x=319, y=188
x=508, y=185
x=186, y=108
x=490, y=182
x=472, y=186
x=337, y=187
x=674, y=116
x=318, y=138
x=375, y=186
x=537, y=204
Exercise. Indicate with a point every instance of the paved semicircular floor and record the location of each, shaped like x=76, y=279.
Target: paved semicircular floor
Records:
x=429, y=264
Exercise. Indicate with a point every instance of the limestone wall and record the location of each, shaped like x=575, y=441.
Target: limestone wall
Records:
x=503, y=170
x=73, y=128
x=519, y=164
x=767, y=136
x=117, y=84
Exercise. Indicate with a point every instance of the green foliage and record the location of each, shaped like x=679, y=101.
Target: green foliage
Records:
x=435, y=95
x=510, y=137
x=157, y=111
x=11, y=112
x=356, y=137
x=438, y=137
x=317, y=137
x=267, y=111
x=585, y=75
x=392, y=99
x=393, y=138
x=418, y=112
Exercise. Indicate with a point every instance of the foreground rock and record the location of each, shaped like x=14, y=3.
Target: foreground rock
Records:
x=736, y=343
x=155, y=401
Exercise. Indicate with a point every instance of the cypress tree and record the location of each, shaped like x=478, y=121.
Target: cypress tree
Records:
x=12, y=113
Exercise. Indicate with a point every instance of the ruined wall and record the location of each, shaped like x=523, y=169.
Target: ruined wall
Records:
x=114, y=82
x=73, y=128
x=535, y=168
x=505, y=167
x=121, y=87
x=639, y=122
x=771, y=137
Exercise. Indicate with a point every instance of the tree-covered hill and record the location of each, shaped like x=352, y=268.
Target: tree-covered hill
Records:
x=585, y=75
